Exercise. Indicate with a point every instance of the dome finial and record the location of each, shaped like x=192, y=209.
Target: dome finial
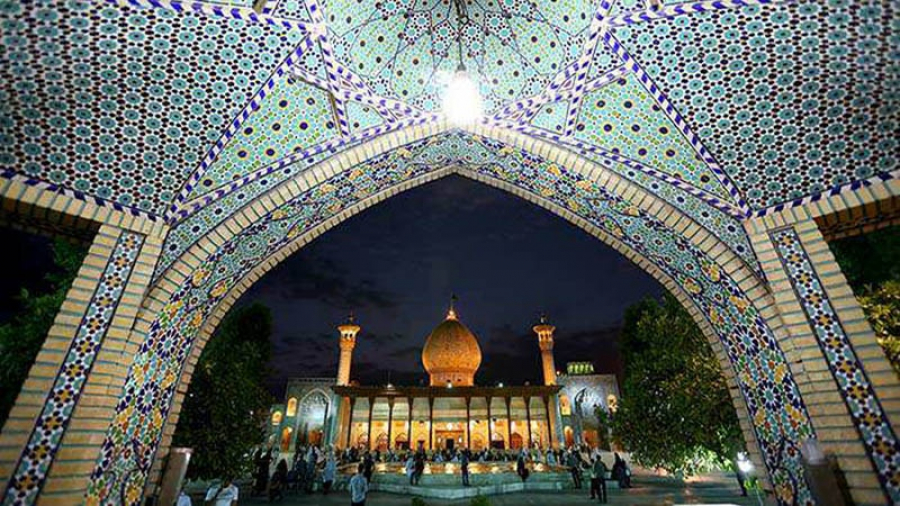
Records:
x=543, y=317
x=351, y=318
x=451, y=313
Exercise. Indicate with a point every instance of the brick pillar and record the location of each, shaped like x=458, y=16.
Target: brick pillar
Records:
x=851, y=392
x=52, y=438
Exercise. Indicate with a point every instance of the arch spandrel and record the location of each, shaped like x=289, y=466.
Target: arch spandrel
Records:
x=539, y=175
x=457, y=148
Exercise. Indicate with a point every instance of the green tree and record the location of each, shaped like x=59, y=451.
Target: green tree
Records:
x=226, y=407
x=21, y=338
x=871, y=263
x=675, y=412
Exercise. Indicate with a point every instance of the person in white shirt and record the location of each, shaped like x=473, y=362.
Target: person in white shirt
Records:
x=410, y=468
x=183, y=499
x=225, y=494
x=359, y=487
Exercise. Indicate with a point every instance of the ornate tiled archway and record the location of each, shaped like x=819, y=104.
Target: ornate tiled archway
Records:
x=332, y=194
x=210, y=140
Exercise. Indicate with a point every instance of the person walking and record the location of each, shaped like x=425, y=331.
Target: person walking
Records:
x=368, y=467
x=279, y=481
x=574, y=468
x=521, y=469
x=410, y=468
x=328, y=474
x=464, y=467
x=359, y=487
x=420, y=468
x=598, y=479
x=225, y=494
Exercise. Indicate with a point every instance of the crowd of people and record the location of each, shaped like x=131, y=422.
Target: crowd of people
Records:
x=312, y=465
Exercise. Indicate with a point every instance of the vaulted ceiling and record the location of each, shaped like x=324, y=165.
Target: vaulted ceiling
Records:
x=185, y=111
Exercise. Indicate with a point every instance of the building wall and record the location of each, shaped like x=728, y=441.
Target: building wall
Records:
x=598, y=388
x=306, y=415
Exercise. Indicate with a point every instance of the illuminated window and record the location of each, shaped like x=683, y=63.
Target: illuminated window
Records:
x=612, y=403
x=276, y=418
x=291, y=407
x=286, y=439
x=564, y=407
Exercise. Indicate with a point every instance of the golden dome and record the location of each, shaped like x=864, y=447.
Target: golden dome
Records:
x=451, y=353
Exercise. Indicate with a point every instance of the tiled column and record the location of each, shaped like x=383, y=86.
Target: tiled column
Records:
x=850, y=390
x=53, y=436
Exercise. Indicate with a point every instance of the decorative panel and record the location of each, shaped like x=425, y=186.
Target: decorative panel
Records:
x=47, y=435
x=792, y=99
x=292, y=117
x=854, y=386
x=623, y=118
x=121, y=103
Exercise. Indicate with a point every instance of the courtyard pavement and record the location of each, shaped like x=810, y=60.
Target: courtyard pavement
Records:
x=658, y=493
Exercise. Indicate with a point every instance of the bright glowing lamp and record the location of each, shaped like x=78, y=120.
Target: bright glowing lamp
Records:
x=462, y=100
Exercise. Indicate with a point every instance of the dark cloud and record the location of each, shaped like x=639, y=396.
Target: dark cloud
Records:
x=323, y=280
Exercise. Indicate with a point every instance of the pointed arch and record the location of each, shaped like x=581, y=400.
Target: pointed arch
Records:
x=723, y=294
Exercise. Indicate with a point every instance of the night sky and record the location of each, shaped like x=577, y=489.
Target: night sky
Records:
x=396, y=265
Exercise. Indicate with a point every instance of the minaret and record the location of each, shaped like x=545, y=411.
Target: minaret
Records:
x=348, y=342
x=544, y=332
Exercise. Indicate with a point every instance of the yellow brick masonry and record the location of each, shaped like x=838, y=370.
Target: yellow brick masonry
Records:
x=68, y=475
x=830, y=417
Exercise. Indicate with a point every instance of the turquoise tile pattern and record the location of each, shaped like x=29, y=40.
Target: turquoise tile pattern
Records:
x=772, y=397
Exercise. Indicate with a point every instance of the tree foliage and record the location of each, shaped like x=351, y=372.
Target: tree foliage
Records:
x=871, y=263
x=21, y=338
x=226, y=407
x=675, y=412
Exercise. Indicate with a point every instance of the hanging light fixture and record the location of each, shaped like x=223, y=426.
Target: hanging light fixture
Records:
x=462, y=100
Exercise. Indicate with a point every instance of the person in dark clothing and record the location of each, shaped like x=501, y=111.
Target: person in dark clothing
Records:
x=262, y=472
x=521, y=470
x=598, y=479
x=369, y=464
x=464, y=468
x=279, y=480
x=300, y=471
x=574, y=468
x=419, y=468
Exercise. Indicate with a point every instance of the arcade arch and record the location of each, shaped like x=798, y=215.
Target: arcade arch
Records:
x=721, y=291
x=713, y=286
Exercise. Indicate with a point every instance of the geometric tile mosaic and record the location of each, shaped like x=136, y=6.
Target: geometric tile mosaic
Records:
x=362, y=117
x=121, y=103
x=865, y=409
x=295, y=116
x=552, y=117
x=406, y=49
x=46, y=437
x=791, y=98
x=772, y=397
x=623, y=118
x=446, y=149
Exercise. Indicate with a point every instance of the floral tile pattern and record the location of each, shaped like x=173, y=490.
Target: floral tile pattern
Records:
x=46, y=438
x=865, y=409
x=772, y=397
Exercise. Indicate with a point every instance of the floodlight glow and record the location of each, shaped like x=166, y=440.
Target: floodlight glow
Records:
x=462, y=100
x=744, y=463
